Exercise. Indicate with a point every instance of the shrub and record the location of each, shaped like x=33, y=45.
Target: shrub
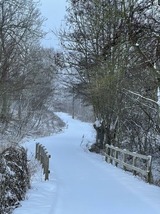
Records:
x=14, y=178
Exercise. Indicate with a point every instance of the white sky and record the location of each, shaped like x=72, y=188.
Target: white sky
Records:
x=54, y=11
x=81, y=182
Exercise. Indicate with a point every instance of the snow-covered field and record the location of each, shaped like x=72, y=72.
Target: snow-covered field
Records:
x=82, y=182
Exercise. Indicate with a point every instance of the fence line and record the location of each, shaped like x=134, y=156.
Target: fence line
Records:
x=43, y=157
x=128, y=160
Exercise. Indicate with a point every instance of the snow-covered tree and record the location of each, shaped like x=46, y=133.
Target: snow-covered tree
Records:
x=111, y=50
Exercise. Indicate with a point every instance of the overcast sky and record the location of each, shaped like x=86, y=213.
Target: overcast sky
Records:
x=54, y=11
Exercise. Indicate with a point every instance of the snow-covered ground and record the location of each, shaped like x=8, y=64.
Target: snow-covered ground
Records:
x=82, y=182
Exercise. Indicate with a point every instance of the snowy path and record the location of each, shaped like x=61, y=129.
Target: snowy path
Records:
x=83, y=183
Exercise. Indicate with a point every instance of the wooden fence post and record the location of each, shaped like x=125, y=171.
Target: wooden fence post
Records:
x=124, y=159
x=43, y=157
x=106, y=156
x=115, y=153
x=116, y=157
x=149, y=172
x=134, y=163
x=38, y=151
x=47, y=171
x=111, y=155
x=36, y=155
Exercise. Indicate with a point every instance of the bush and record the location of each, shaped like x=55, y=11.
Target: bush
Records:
x=14, y=178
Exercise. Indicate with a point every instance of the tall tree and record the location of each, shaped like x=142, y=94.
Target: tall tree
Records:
x=20, y=26
x=107, y=56
x=27, y=70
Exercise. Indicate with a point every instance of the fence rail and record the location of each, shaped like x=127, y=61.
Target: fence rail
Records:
x=43, y=157
x=128, y=160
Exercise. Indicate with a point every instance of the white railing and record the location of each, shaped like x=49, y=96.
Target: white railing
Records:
x=129, y=161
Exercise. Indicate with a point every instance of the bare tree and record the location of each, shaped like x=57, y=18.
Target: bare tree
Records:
x=27, y=70
x=36, y=90
x=20, y=24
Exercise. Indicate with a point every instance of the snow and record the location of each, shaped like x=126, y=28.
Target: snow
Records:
x=97, y=123
x=82, y=182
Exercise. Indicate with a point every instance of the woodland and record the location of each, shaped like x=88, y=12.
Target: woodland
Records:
x=108, y=71
x=112, y=60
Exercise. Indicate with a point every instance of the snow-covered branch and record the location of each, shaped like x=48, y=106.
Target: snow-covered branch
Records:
x=139, y=95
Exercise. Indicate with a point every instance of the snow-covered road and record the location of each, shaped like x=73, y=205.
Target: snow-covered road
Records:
x=83, y=183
